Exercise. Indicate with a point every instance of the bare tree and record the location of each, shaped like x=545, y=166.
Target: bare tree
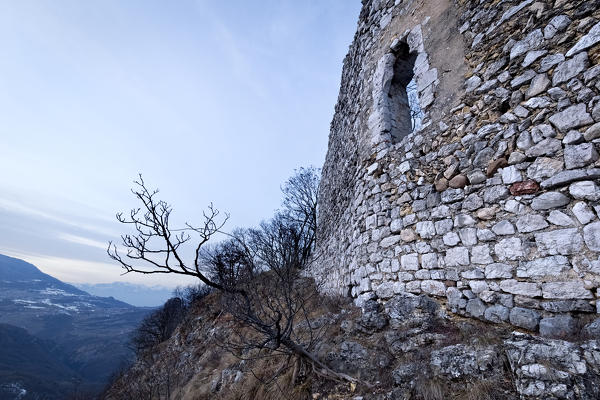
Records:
x=191, y=294
x=156, y=247
x=158, y=326
x=256, y=271
x=300, y=201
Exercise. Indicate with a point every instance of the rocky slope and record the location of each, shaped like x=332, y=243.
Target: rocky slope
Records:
x=408, y=349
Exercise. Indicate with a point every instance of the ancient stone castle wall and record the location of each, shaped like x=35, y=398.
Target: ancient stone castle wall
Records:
x=492, y=206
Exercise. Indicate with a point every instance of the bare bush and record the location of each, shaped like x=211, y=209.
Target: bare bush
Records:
x=256, y=271
x=158, y=326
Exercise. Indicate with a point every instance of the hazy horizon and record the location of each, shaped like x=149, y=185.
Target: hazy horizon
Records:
x=212, y=102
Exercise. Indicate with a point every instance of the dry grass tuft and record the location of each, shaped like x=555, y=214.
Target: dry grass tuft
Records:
x=429, y=389
x=482, y=389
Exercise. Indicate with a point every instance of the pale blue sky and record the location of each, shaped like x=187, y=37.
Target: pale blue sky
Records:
x=211, y=100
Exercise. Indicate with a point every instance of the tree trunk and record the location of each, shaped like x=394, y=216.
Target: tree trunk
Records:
x=321, y=368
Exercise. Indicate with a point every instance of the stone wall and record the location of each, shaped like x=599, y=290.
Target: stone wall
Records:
x=492, y=206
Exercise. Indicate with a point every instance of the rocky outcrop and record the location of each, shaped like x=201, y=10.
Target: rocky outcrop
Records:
x=409, y=348
x=491, y=205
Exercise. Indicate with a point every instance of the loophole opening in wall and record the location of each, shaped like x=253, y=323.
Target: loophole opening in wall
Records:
x=406, y=113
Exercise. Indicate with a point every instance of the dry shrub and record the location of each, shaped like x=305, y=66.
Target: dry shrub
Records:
x=481, y=334
x=429, y=389
x=259, y=385
x=482, y=389
x=335, y=303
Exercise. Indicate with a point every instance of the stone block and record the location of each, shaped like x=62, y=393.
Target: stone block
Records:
x=586, y=41
x=498, y=270
x=547, y=266
x=566, y=290
x=478, y=286
x=509, y=249
x=475, y=308
x=503, y=228
x=425, y=229
x=591, y=235
x=524, y=318
x=429, y=261
x=481, y=255
x=409, y=262
x=586, y=190
x=549, y=200
x=432, y=287
x=570, y=118
x=569, y=68
x=583, y=213
x=559, y=218
x=580, y=155
x=528, y=289
x=560, y=241
x=457, y=256
x=561, y=326
x=496, y=313
x=531, y=223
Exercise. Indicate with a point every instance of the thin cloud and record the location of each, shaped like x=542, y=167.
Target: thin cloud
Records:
x=240, y=63
x=83, y=271
x=19, y=208
x=83, y=241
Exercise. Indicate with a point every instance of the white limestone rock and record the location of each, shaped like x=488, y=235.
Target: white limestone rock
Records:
x=531, y=223
x=509, y=249
x=472, y=83
x=547, y=266
x=468, y=236
x=570, y=68
x=559, y=218
x=586, y=41
x=550, y=61
x=549, y=200
x=389, y=241
x=529, y=289
x=481, y=255
x=546, y=147
x=510, y=175
x=583, y=213
x=571, y=117
x=409, y=262
x=544, y=167
x=580, y=155
x=478, y=286
x=432, y=287
x=560, y=241
x=556, y=24
x=498, y=270
x=566, y=290
x=591, y=235
x=539, y=84
x=503, y=228
x=425, y=229
x=457, y=256
x=451, y=239
x=533, y=40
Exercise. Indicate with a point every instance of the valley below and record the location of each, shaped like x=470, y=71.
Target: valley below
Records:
x=58, y=340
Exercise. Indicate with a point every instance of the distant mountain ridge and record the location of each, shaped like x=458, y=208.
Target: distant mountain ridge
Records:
x=80, y=337
x=16, y=270
x=138, y=295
